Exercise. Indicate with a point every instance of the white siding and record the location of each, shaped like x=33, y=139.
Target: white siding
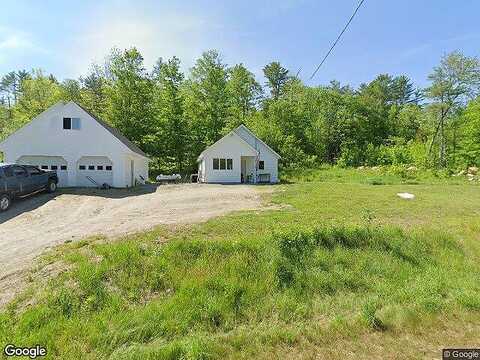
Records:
x=270, y=164
x=265, y=154
x=140, y=168
x=45, y=136
x=230, y=147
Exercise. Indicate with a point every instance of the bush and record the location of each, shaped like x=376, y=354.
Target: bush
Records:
x=397, y=153
x=351, y=155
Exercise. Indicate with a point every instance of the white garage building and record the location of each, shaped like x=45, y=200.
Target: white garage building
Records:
x=238, y=157
x=84, y=150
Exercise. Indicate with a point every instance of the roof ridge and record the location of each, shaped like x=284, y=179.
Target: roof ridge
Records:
x=256, y=137
x=232, y=132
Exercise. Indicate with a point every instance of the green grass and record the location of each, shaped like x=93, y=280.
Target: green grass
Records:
x=339, y=259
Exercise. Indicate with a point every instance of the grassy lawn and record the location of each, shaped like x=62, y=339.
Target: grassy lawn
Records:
x=336, y=266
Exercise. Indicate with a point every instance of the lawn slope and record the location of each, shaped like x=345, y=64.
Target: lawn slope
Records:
x=341, y=268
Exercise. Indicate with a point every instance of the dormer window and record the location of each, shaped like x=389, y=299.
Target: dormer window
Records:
x=71, y=123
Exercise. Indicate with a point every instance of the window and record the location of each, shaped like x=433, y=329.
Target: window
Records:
x=261, y=165
x=67, y=123
x=63, y=167
x=91, y=167
x=222, y=164
x=19, y=171
x=32, y=170
x=44, y=167
x=108, y=168
x=54, y=167
x=8, y=171
x=81, y=167
x=99, y=167
x=76, y=123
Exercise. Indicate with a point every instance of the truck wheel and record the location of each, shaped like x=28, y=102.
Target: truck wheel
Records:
x=5, y=202
x=52, y=186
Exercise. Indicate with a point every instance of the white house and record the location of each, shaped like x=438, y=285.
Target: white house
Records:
x=238, y=157
x=84, y=150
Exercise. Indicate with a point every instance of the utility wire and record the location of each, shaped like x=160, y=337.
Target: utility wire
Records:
x=338, y=38
x=298, y=72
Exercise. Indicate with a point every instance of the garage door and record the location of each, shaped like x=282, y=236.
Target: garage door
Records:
x=94, y=171
x=56, y=163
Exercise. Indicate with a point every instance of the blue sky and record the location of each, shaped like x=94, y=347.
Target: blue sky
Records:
x=396, y=37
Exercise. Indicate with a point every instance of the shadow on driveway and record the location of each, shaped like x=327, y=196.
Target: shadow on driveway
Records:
x=20, y=206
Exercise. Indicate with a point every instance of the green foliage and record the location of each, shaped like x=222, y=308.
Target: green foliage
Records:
x=277, y=77
x=341, y=260
x=198, y=290
x=470, y=147
x=130, y=95
x=38, y=93
x=455, y=81
x=169, y=138
x=206, y=100
x=94, y=91
x=173, y=116
x=243, y=94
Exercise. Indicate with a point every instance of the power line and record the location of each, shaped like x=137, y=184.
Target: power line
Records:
x=298, y=72
x=338, y=38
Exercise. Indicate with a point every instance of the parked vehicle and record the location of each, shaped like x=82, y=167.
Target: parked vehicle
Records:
x=18, y=181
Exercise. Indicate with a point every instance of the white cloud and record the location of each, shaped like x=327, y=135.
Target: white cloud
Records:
x=17, y=40
x=162, y=35
x=14, y=43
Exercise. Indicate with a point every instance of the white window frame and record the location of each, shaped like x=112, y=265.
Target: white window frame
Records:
x=225, y=163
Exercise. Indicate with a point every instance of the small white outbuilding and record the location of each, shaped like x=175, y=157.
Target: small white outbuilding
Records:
x=82, y=149
x=238, y=157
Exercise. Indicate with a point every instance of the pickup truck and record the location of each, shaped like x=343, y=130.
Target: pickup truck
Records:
x=18, y=181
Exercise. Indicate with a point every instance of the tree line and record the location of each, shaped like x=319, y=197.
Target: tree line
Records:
x=173, y=116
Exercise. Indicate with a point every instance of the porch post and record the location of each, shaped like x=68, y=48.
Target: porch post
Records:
x=256, y=169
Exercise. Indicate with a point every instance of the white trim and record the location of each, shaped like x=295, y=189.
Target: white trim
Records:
x=231, y=133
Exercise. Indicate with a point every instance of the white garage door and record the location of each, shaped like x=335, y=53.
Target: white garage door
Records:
x=94, y=171
x=56, y=163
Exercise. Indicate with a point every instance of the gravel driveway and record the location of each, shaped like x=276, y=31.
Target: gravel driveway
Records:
x=45, y=220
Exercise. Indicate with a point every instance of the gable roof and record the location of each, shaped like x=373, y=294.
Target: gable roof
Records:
x=257, y=138
x=231, y=133
x=115, y=132
x=235, y=132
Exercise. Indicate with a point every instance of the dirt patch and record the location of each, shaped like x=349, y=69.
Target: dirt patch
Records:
x=37, y=223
